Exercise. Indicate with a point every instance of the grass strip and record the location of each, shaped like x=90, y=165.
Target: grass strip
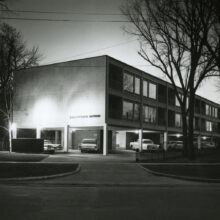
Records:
x=196, y=171
x=12, y=170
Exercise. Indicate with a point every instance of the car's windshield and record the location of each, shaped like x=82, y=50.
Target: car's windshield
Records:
x=147, y=141
x=89, y=141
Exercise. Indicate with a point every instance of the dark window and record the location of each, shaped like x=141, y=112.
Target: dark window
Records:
x=127, y=110
x=197, y=106
x=115, y=107
x=171, y=97
x=162, y=93
x=161, y=116
x=203, y=125
x=171, y=118
x=26, y=133
x=203, y=107
x=197, y=124
x=115, y=77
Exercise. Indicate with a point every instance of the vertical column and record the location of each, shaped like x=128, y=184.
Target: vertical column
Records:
x=38, y=134
x=57, y=137
x=165, y=140
x=140, y=137
x=199, y=142
x=105, y=139
x=66, y=138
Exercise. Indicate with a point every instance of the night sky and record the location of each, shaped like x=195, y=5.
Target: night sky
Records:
x=91, y=28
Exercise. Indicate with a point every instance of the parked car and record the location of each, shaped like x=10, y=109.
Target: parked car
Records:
x=175, y=145
x=208, y=145
x=147, y=144
x=89, y=145
x=50, y=147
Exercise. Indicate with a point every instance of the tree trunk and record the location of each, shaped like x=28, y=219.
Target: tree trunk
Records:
x=9, y=136
x=191, y=151
x=185, y=134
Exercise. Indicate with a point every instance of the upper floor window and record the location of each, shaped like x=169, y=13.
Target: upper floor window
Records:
x=178, y=121
x=145, y=88
x=128, y=82
x=208, y=126
x=150, y=114
x=131, y=83
x=136, y=85
x=152, y=90
x=177, y=103
x=127, y=110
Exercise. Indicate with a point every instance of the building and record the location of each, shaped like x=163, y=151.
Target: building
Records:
x=103, y=98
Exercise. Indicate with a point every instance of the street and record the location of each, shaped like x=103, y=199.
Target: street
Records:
x=95, y=202
x=109, y=191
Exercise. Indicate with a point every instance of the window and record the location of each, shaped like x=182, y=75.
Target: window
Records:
x=115, y=77
x=115, y=107
x=136, y=112
x=216, y=113
x=178, y=121
x=208, y=110
x=128, y=82
x=171, y=118
x=145, y=88
x=171, y=96
x=150, y=114
x=161, y=116
x=177, y=103
x=137, y=85
x=162, y=93
x=208, y=126
x=127, y=110
x=152, y=90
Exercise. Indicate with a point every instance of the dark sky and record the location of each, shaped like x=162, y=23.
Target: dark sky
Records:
x=91, y=30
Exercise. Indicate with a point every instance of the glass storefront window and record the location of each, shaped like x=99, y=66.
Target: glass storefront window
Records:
x=152, y=90
x=137, y=85
x=145, y=88
x=127, y=110
x=128, y=82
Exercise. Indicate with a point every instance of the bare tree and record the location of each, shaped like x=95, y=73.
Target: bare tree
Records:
x=172, y=38
x=14, y=56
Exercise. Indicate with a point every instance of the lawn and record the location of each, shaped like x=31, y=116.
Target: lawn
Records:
x=21, y=157
x=20, y=169
x=195, y=170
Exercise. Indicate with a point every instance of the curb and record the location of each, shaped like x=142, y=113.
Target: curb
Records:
x=41, y=177
x=206, y=180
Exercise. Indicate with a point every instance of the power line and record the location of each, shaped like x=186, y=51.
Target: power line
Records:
x=60, y=12
x=64, y=20
x=97, y=50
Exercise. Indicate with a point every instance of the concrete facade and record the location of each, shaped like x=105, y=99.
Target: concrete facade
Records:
x=91, y=94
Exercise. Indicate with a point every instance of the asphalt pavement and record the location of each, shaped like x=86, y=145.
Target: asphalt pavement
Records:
x=112, y=189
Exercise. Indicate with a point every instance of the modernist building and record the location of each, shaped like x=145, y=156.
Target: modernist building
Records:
x=104, y=98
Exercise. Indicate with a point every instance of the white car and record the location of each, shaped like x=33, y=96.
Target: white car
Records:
x=89, y=145
x=50, y=147
x=147, y=144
